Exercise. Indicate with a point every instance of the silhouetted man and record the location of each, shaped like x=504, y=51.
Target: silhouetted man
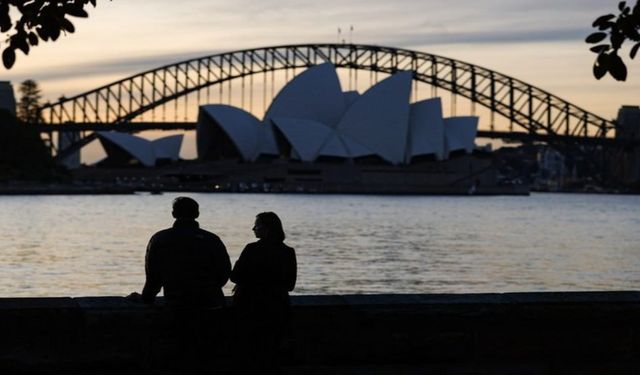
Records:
x=191, y=264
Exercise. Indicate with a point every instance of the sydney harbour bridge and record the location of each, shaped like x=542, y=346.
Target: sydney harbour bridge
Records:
x=142, y=101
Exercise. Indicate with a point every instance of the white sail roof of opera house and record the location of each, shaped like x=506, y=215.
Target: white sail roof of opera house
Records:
x=338, y=142
x=305, y=136
x=236, y=123
x=379, y=119
x=316, y=118
x=427, y=129
x=315, y=94
x=460, y=133
x=350, y=97
x=249, y=135
x=335, y=146
x=311, y=139
x=145, y=151
x=167, y=147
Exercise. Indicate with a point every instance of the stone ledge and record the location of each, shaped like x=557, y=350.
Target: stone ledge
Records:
x=540, y=331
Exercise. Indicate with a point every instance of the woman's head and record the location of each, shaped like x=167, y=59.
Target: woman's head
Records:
x=268, y=227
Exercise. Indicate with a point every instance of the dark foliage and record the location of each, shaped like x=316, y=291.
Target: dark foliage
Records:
x=23, y=155
x=625, y=26
x=29, y=102
x=38, y=20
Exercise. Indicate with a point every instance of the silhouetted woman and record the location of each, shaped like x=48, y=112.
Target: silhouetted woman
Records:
x=264, y=275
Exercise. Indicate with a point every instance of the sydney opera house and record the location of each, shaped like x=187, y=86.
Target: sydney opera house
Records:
x=317, y=137
x=312, y=119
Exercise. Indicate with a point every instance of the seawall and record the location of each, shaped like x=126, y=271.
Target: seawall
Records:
x=511, y=333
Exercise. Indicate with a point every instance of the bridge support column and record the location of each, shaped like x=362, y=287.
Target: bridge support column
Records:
x=628, y=129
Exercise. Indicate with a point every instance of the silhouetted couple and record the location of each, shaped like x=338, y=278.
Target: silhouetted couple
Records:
x=192, y=265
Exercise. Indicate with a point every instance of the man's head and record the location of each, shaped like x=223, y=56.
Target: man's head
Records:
x=185, y=208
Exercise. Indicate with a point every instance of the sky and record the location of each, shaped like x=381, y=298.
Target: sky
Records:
x=540, y=42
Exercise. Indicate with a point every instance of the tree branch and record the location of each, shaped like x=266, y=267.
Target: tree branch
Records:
x=39, y=20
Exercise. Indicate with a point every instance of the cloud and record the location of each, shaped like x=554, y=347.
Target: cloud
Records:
x=493, y=36
x=124, y=66
x=132, y=65
x=125, y=38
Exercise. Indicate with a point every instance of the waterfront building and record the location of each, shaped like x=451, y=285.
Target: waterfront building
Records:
x=317, y=137
x=552, y=169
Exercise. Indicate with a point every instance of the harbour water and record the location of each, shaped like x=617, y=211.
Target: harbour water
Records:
x=95, y=245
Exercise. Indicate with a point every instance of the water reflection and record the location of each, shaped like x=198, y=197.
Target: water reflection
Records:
x=81, y=245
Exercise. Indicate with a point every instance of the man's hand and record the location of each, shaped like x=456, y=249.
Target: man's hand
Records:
x=135, y=297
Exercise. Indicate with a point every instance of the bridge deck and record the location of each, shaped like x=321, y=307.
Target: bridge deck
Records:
x=142, y=126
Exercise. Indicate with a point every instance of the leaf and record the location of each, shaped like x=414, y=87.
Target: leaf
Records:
x=596, y=37
x=55, y=33
x=633, y=35
x=33, y=39
x=602, y=19
x=616, y=40
x=42, y=33
x=4, y=11
x=49, y=26
x=634, y=50
x=621, y=5
x=600, y=48
x=8, y=57
x=19, y=41
x=617, y=69
x=80, y=13
x=67, y=25
x=599, y=71
x=625, y=24
x=601, y=66
x=5, y=22
x=606, y=25
x=76, y=10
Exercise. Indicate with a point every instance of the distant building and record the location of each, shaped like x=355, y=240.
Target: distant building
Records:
x=312, y=119
x=7, y=99
x=517, y=164
x=628, y=129
x=552, y=169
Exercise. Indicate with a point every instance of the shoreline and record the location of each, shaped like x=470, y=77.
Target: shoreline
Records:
x=125, y=190
x=66, y=189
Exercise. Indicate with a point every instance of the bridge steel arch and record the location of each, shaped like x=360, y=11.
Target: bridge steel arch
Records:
x=533, y=109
